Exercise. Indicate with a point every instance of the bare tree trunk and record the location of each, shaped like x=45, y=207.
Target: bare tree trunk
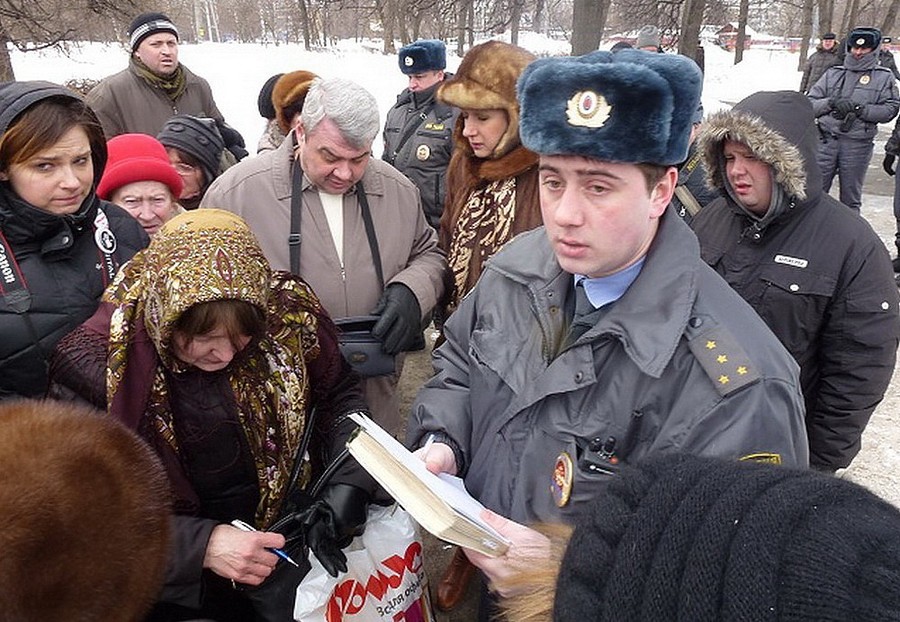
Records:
x=805, y=33
x=691, y=20
x=742, y=31
x=850, y=15
x=826, y=16
x=515, y=18
x=588, y=20
x=890, y=17
x=6, y=68
x=538, y=19
x=461, y=20
x=304, y=22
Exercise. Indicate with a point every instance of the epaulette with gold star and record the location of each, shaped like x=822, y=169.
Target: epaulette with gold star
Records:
x=724, y=360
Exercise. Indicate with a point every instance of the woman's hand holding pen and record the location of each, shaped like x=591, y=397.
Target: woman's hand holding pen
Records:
x=242, y=556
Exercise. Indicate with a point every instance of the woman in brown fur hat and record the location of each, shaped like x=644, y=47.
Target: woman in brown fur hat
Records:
x=492, y=193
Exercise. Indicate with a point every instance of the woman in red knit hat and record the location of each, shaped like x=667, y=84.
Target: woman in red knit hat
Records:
x=139, y=178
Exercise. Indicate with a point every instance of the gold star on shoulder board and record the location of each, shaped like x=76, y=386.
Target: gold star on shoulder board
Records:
x=723, y=359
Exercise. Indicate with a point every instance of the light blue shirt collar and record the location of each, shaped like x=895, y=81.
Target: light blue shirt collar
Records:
x=606, y=289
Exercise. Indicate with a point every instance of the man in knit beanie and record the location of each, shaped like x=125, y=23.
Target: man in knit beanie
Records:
x=601, y=338
x=648, y=39
x=141, y=98
x=418, y=130
x=703, y=540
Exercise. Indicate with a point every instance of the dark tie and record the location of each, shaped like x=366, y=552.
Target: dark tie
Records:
x=584, y=317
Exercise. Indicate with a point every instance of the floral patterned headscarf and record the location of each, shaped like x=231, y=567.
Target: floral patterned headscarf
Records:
x=203, y=256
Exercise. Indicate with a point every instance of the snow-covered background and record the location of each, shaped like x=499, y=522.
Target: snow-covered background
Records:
x=237, y=71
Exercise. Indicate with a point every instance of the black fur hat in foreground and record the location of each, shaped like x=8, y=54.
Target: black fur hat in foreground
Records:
x=687, y=538
x=631, y=106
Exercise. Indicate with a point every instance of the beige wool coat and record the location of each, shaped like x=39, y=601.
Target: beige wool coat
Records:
x=259, y=190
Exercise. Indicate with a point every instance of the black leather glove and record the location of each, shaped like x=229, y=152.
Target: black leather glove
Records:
x=842, y=107
x=400, y=326
x=888, y=164
x=331, y=522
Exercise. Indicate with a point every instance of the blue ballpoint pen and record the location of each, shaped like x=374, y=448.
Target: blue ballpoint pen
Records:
x=245, y=527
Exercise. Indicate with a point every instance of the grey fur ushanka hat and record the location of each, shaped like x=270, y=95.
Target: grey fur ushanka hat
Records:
x=631, y=106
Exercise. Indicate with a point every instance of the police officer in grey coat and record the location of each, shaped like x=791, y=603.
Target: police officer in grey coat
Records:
x=418, y=131
x=849, y=102
x=601, y=338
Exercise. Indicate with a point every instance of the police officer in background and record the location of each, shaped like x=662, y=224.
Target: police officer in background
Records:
x=849, y=102
x=418, y=131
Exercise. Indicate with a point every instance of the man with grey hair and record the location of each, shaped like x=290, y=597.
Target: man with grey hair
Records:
x=351, y=225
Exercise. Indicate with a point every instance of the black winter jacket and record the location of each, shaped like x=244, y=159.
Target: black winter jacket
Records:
x=59, y=258
x=817, y=64
x=424, y=155
x=815, y=271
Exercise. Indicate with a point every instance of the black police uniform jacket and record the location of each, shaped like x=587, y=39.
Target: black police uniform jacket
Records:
x=424, y=155
x=815, y=271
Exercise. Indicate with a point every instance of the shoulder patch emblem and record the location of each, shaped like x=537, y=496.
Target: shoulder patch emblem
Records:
x=763, y=457
x=723, y=360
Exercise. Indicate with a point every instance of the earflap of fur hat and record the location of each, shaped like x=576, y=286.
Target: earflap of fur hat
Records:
x=486, y=80
x=288, y=96
x=631, y=106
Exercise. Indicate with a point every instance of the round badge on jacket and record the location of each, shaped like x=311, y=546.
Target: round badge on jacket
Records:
x=105, y=240
x=864, y=79
x=561, y=480
x=423, y=152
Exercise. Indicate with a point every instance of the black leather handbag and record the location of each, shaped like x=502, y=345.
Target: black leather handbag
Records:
x=361, y=349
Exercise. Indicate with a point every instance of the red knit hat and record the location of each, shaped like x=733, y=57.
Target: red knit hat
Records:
x=137, y=157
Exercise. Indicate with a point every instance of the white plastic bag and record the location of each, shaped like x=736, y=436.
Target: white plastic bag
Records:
x=385, y=579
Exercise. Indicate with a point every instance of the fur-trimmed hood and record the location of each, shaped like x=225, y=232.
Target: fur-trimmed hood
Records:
x=486, y=79
x=779, y=129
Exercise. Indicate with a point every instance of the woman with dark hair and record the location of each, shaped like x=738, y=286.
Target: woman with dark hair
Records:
x=60, y=245
x=233, y=374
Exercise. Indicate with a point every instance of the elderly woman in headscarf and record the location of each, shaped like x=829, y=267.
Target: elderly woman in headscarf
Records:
x=232, y=373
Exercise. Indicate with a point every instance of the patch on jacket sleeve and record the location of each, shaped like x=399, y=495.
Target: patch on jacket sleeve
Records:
x=723, y=360
x=763, y=457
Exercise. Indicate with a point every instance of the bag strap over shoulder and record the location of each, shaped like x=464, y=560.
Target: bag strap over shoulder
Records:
x=295, y=238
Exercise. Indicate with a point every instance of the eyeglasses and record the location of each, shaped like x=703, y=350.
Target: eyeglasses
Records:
x=184, y=168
